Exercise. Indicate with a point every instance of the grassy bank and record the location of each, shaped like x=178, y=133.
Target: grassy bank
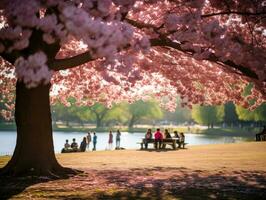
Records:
x=228, y=131
x=8, y=127
x=79, y=128
x=226, y=171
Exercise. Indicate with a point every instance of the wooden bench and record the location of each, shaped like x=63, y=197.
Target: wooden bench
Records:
x=167, y=141
x=183, y=146
x=141, y=144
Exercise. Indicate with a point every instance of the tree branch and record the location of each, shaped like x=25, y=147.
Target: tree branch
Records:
x=164, y=41
x=233, y=12
x=80, y=59
x=212, y=58
x=67, y=63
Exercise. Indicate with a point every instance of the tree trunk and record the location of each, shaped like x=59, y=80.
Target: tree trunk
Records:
x=98, y=121
x=131, y=122
x=34, y=152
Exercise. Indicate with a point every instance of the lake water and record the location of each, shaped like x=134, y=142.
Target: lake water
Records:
x=128, y=140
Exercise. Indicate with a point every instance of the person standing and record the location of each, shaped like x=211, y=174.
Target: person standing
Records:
x=94, y=140
x=117, y=139
x=110, y=140
x=88, y=140
x=158, y=136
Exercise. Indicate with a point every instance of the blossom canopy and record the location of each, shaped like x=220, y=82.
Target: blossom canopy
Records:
x=205, y=51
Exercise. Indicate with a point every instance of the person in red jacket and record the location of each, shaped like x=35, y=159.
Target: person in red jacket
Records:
x=158, y=136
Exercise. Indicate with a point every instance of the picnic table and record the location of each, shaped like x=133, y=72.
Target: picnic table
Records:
x=165, y=141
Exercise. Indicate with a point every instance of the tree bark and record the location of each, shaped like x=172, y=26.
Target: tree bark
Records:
x=132, y=122
x=34, y=151
x=98, y=121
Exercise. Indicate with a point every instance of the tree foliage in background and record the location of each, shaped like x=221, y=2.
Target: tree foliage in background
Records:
x=259, y=114
x=140, y=110
x=103, y=115
x=208, y=115
x=180, y=115
x=230, y=115
x=66, y=114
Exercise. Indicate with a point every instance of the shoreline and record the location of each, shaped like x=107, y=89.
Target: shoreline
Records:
x=215, y=131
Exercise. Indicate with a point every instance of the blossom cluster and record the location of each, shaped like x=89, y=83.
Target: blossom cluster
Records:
x=33, y=70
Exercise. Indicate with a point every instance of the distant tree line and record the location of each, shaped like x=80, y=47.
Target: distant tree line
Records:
x=119, y=114
x=229, y=115
x=149, y=112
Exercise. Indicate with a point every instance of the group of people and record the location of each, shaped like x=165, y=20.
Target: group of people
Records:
x=158, y=139
x=117, y=140
x=159, y=136
x=85, y=143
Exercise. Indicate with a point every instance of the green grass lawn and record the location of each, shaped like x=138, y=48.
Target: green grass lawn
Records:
x=228, y=131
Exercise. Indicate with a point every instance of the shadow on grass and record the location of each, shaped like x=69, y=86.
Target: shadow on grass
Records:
x=172, y=183
x=156, y=183
x=11, y=186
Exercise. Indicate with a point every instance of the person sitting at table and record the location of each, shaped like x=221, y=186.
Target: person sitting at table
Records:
x=148, y=137
x=167, y=134
x=176, y=134
x=158, y=136
x=74, y=145
x=259, y=136
x=83, y=145
x=182, y=140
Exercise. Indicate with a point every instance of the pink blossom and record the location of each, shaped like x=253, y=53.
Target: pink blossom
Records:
x=172, y=22
x=33, y=70
x=48, y=38
x=202, y=58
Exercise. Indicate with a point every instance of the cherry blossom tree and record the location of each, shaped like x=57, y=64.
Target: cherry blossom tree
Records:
x=206, y=51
